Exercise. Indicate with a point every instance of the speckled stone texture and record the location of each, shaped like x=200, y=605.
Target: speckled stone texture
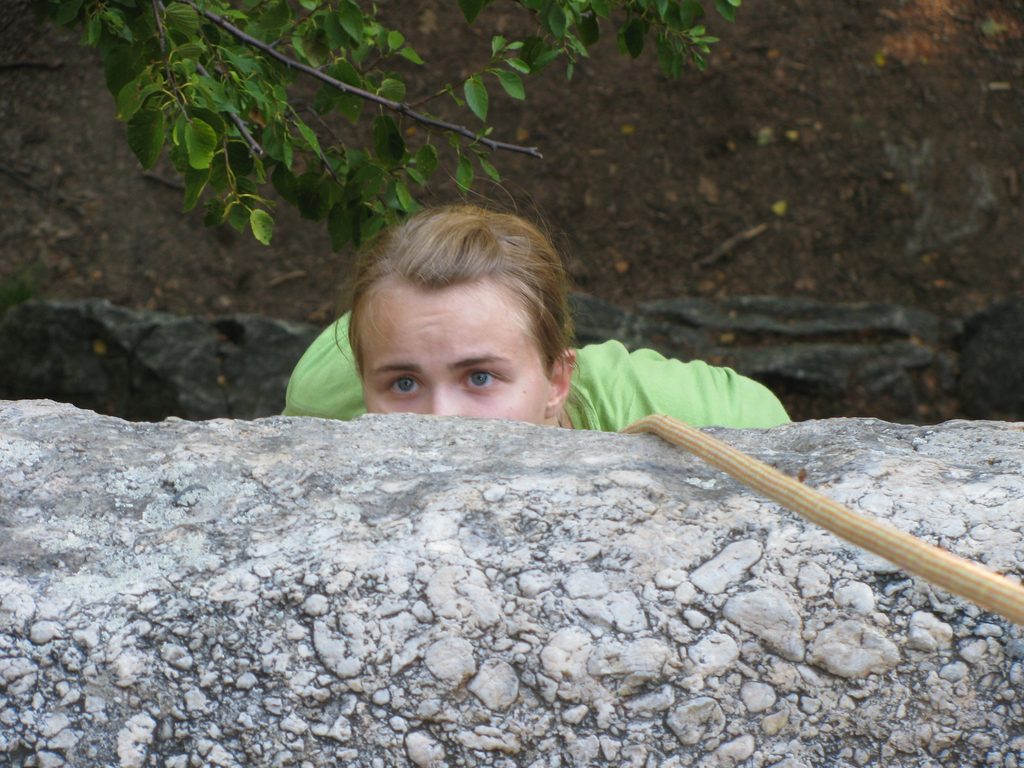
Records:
x=412, y=591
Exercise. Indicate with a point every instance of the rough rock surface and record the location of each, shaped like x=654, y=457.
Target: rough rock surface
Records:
x=414, y=591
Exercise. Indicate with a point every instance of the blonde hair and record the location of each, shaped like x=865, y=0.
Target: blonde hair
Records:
x=453, y=245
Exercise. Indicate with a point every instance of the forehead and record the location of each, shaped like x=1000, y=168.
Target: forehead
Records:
x=487, y=306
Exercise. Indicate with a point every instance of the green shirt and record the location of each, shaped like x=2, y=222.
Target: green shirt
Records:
x=611, y=388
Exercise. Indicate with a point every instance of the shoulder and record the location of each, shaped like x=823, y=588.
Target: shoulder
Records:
x=325, y=381
x=623, y=386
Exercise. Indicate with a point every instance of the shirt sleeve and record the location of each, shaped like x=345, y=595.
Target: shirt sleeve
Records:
x=615, y=387
x=325, y=381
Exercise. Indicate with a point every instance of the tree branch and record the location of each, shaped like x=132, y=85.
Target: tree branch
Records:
x=395, y=106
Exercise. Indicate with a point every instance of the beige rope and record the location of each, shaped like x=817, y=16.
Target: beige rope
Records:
x=961, y=577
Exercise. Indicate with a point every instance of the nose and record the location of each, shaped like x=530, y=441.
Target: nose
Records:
x=445, y=403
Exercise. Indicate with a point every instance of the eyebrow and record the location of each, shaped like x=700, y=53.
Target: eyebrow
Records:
x=464, y=363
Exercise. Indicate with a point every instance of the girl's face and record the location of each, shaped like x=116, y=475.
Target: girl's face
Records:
x=466, y=350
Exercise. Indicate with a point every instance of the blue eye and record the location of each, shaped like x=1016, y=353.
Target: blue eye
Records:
x=404, y=384
x=480, y=378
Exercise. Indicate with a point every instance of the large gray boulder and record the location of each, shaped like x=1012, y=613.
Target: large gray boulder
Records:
x=991, y=363
x=147, y=366
x=413, y=591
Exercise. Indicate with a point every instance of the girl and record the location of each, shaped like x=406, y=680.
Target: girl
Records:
x=464, y=311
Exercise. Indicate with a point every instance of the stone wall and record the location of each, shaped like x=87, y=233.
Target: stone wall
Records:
x=414, y=591
x=823, y=360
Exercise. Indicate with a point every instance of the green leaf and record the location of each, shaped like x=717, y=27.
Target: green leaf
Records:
x=310, y=5
x=519, y=65
x=489, y=169
x=405, y=199
x=426, y=159
x=195, y=183
x=336, y=35
x=690, y=11
x=670, y=59
x=512, y=83
x=311, y=46
x=343, y=70
x=146, y=136
x=238, y=217
x=273, y=141
x=726, y=9
x=262, y=225
x=285, y=183
x=277, y=15
x=410, y=55
x=395, y=40
x=476, y=96
x=93, y=30
x=182, y=18
x=201, y=142
x=538, y=54
x=128, y=100
x=218, y=173
x=308, y=134
x=387, y=141
x=313, y=196
x=370, y=177
x=555, y=21
x=239, y=158
x=392, y=89
x=589, y=30
x=131, y=98
x=339, y=226
x=116, y=23
x=464, y=173
x=471, y=8
x=602, y=8
x=246, y=65
x=67, y=12
x=211, y=118
x=121, y=66
x=498, y=44
x=187, y=53
x=631, y=37
x=215, y=212
x=351, y=19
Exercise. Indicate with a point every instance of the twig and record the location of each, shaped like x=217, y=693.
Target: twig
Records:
x=401, y=108
x=727, y=246
x=19, y=177
x=157, y=7
x=31, y=64
x=287, y=277
x=172, y=183
x=323, y=158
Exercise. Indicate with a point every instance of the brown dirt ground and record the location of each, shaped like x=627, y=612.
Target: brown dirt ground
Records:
x=848, y=151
